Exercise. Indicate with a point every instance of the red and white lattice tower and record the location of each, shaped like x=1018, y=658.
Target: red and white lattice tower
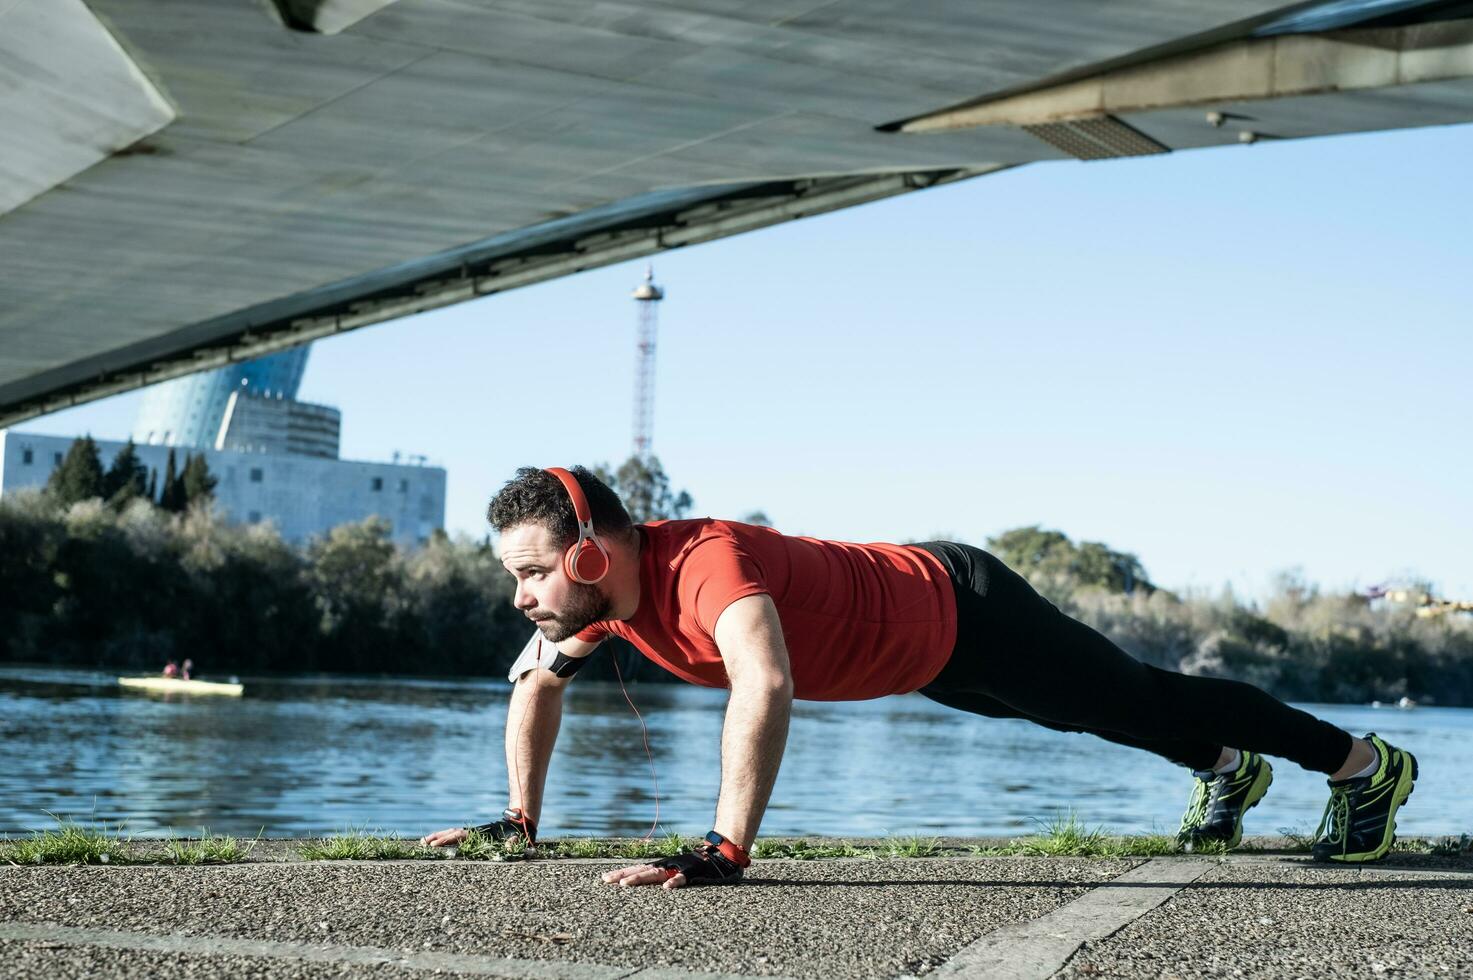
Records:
x=647, y=298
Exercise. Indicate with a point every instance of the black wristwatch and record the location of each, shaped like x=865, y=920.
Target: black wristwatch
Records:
x=732, y=852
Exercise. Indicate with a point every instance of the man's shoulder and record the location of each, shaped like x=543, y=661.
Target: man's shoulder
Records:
x=685, y=533
x=705, y=545
x=695, y=529
x=675, y=525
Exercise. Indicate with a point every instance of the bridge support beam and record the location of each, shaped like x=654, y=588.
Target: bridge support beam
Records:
x=70, y=97
x=1111, y=113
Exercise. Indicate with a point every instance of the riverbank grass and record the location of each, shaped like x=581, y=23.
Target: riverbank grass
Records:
x=480, y=847
x=209, y=849
x=359, y=844
x=1065, y=835
x=805, y=850
x=69, y=843
x=72, y=842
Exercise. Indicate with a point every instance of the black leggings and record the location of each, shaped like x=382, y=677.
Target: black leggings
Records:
x=1018, y=656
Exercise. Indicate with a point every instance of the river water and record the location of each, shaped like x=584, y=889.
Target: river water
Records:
x=301, y=756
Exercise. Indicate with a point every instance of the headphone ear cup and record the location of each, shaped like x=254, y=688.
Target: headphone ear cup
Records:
x=585, y=563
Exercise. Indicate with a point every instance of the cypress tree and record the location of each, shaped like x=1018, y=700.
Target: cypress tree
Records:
x=126, y=478
x=169, y=493
x=79, y=477
x=197, y=480
x=153, y=486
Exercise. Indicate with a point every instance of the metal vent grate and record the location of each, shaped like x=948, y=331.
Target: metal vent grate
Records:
x=1097, y=138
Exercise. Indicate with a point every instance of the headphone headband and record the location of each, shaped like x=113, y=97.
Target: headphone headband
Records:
x=587, y=561
x=581, y=509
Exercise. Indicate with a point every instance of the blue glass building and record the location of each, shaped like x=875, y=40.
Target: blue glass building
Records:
x=188, y=411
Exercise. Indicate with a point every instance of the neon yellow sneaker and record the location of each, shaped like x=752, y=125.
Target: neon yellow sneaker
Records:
x=1360, y=820
x=1215, y=814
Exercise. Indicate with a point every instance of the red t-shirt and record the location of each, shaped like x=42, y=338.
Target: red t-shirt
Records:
x=860, y=620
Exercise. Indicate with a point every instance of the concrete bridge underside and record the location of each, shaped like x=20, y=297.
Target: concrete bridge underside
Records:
x=188, y=182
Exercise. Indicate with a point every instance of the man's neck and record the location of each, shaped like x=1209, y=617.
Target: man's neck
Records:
x=624, y=575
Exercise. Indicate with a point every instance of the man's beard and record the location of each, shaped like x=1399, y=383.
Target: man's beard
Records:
x=586, y=605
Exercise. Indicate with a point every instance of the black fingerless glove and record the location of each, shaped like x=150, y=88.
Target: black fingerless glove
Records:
x=512, y=824
x=716, y=861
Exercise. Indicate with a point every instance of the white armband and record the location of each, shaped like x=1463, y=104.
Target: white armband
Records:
x=528, y=658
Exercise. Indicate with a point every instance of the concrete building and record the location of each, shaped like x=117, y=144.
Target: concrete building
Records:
x=260, y=423
x=301, y=494
x=276, y=459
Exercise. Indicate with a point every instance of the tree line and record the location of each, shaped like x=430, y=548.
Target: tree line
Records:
x=132, y=587
x=101, y=569
x=81, y=477
x=114, y=568
x=1300, y=644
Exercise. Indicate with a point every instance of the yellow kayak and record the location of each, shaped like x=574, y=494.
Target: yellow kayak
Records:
x=181, y=686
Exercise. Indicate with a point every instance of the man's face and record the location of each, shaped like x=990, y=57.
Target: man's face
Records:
x=559, y=606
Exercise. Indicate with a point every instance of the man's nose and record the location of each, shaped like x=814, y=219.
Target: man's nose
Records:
x=523, y=600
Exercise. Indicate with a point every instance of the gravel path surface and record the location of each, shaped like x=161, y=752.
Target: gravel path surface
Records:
x=1248, y=915
x=1284, y=920
x=54, y=961
x=828, y=919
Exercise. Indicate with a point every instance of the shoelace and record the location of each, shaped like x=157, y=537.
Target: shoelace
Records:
x=1219, y=787
x=1197, y=807
x=1336, y=818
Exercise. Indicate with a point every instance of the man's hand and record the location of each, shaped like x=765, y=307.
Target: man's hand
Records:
x=715, y=861
x=448, y=837
x=512, y=824
x=644, y=874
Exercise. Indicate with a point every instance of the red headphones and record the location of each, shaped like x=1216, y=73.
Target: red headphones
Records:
x=587, y=561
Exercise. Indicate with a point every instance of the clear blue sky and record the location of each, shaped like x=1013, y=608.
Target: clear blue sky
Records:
x=1232, y=362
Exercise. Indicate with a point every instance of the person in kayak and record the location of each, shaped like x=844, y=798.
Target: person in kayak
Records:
x=171, y=669
x=773, y=617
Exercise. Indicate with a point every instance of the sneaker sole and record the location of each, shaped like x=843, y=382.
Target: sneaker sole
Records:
x=1404, y=786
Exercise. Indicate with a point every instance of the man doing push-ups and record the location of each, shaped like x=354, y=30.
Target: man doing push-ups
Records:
x=773, y=617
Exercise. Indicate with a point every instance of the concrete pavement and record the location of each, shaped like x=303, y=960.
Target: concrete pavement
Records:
x=1243, y=915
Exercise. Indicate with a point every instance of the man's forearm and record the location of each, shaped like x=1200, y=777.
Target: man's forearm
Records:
x=532, y=722
x=752, y=742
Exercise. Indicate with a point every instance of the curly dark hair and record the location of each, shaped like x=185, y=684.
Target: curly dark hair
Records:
x=535, y=496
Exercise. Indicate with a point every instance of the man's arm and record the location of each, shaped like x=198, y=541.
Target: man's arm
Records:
x=750, y=637
x=532, y=721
